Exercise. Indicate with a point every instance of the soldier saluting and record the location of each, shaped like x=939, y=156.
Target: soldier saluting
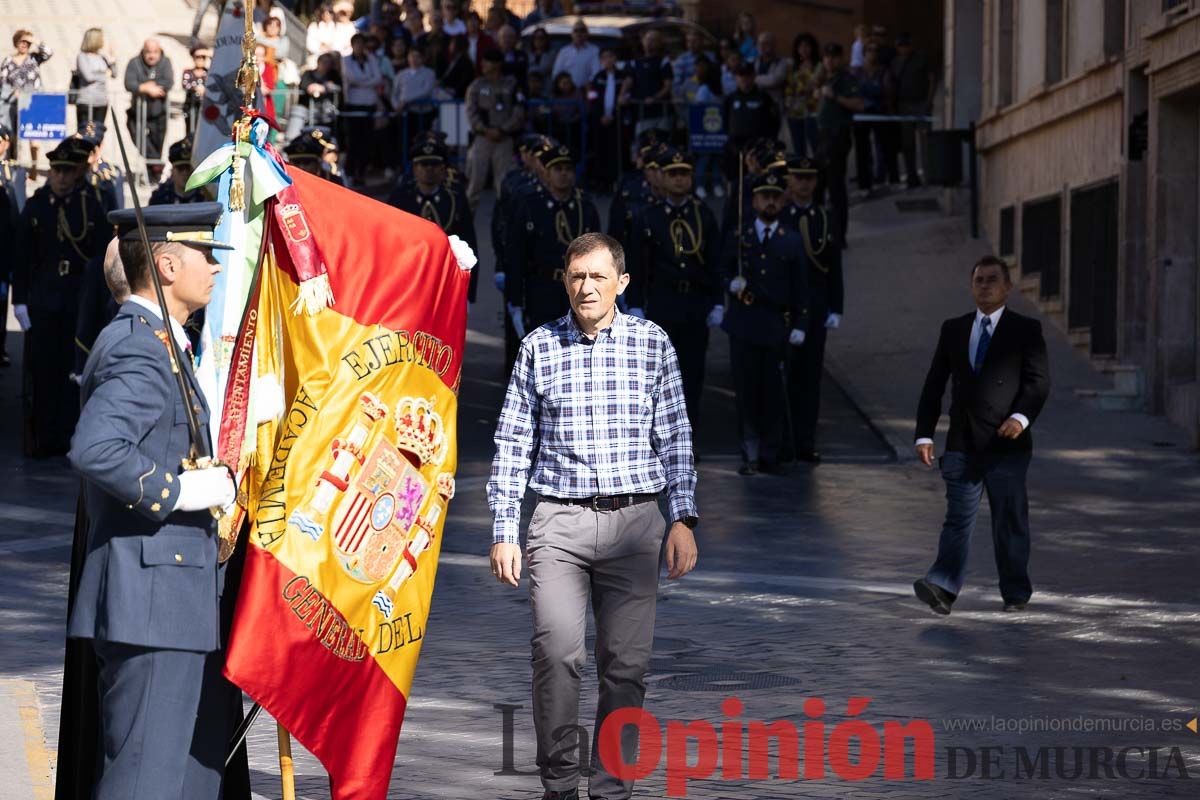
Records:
x=542, y=228
x=148, y=591
x=822, y=259
x=675, y=274
x=60, y=229
x=768, y=311
x=428, y=196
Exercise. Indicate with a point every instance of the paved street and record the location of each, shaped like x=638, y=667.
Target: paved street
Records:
x=803, y=589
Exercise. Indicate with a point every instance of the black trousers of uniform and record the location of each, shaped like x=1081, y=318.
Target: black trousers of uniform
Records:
x=835, y=150
x=689, y=337
x=805, y=367
x=54, y=401
x=162, y=723
x=758, y=384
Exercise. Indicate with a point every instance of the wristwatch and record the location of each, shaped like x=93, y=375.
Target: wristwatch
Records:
x=690, y=521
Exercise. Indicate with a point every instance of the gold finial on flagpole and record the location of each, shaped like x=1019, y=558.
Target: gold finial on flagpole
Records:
x=247, y=81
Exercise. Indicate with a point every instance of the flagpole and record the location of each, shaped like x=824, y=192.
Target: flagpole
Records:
x=287, y=773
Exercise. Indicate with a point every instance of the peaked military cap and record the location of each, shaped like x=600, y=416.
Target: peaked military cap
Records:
x=5, y=133
x=322, y=134
x=191, y=224
x=803, y=165
x=427, y=151
x=656, y=155
x=648, y=138
x=556, y=155
x=181, y=152
x=768, y=182
x=674, y=158
x=72, y=152
x=93, y=133
x=304, y=147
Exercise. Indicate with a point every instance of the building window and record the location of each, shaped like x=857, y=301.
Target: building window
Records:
x=1004, y=54
x=1114, y=27
x=1007, y=230
x=1093, y=276
x=1054, y=41
x=1041, y=243
x=1170, y=4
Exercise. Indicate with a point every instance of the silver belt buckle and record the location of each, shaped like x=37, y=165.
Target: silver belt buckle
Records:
x=64, y=268
x=596, y=503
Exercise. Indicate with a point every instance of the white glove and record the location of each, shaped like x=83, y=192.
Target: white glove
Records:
x=499, y=280
x=202, y=489
x=75, y=378
x=21, y=312
x=636, y=312
x=518, y=319
x=796, y=337
x=737, y=284
x=833, y=320
x=267, y=396
x=716, y=317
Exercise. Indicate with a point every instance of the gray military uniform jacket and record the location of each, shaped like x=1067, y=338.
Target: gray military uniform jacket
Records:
x=151, y=576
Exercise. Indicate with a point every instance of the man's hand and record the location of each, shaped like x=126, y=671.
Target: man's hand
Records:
x=796, y=337
x=681, y=551
x=1011, y=429
x=506, y=562
x=21, y=312
x=925, y=454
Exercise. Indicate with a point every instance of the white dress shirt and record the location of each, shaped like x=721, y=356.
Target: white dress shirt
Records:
x=764, y=230
x=610, y=93
x=581, y=63
x=972, y=345
x=180, y=334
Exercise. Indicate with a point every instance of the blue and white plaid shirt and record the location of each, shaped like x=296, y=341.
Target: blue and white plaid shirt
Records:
x=604, y=417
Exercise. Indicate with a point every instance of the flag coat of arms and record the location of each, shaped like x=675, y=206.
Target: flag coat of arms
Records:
x=349, y=492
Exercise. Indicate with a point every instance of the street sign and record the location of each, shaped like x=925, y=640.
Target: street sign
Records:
x=706, y=128
x=42, y=117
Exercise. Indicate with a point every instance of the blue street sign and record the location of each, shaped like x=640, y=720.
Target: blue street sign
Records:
x=706, y=128
x=42, y=117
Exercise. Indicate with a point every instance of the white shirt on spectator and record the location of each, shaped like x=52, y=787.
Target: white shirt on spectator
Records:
x=362, y=80
x=412, y=85
x=325, y=37
x=454, y=27
x=581, y=63
x=857, y=56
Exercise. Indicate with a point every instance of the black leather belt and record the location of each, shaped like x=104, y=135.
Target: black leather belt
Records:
x=602, y=502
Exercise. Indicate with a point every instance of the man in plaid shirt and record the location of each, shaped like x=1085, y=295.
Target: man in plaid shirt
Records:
x=596, y=397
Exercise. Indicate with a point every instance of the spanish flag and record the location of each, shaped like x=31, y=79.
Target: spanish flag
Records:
x=349, y=491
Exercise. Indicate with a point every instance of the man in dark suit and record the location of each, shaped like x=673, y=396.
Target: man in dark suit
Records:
x=996, y=359
x=148, y=592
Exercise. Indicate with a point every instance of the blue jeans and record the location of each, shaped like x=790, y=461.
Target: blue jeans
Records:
x=967, y=477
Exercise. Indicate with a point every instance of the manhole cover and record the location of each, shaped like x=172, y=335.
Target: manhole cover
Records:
x=918, y=204
x=725, y=682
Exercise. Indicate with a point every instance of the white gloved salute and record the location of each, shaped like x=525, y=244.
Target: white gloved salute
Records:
x=21, y=312
x=202, y=489
x=833, y=321
x=636, y=312
x=796, y=337
x=716, y=317
x=737, y=284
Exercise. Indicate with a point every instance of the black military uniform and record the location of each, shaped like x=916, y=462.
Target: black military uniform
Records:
x=635, y=187
x=762, y=313
x=166, y=193
x=763, y=156
x=106, y=180
x=748, y=116
x=542, y=228
x=445, y=207
x=56, y=236
x=822, y=258
x=675, y=277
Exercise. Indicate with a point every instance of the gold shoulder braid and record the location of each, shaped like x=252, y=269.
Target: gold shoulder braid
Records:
x=429, y=212
x=680, y=228
x=562, y=226
x=64, y=228
x=808, y=248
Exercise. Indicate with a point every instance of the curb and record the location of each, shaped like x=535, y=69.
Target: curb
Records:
x=872, y=413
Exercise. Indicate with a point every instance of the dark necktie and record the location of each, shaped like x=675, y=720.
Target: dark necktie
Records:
x=985, y=338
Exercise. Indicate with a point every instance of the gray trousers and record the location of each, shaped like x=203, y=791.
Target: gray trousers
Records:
x=613, y=556
x=162, y=723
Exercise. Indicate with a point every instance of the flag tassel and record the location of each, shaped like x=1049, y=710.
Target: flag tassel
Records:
x=315, y=294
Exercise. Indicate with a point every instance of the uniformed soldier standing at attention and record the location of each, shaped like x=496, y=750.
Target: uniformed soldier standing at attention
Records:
x=823, y=264
x=427, y=196
x=542, y=229
x=12, y=186
x=496, y=113
x=767, y=311
x=61, y=228
x=675, y=274
x=148, y=592
x=173, y=191
x=635, y=187
x=105, y=179
x=12, y=174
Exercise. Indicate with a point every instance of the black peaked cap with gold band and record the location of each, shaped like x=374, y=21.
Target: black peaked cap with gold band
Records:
x=72, y=152
x=803, y=166
x=556, y=155
x=181, y=152
x=427, y=152
x=190, y=224
x=673, y=158
x=768, y=182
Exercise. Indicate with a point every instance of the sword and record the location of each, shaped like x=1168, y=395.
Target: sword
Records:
x=239, y=735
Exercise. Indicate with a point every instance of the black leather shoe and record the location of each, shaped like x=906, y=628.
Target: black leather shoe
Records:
x=570, y=794
x=934, y=596
x=1015, y=606
x=748, y=468
x=771, y=468
x=811, y=456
